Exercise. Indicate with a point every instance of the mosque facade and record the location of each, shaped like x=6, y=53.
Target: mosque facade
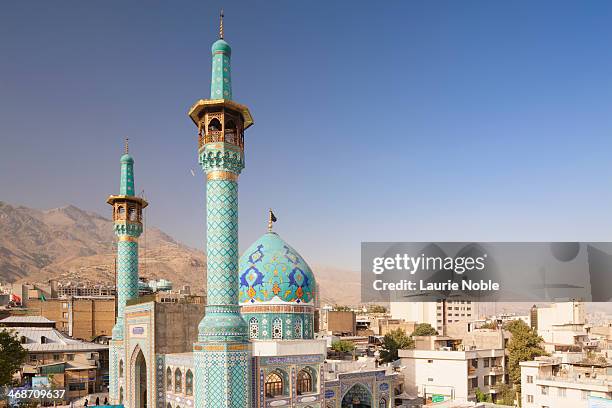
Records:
x=253, y=344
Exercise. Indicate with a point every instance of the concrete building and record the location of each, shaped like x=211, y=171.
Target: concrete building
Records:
x=70, y=289
x=444, y=369
x=438, y=314
x=565, y=382
x=79, y=317
x=338, y=322
x=562, y=326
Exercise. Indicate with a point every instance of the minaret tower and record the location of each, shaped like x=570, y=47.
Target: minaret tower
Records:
x=127, y=223
x=222, y=353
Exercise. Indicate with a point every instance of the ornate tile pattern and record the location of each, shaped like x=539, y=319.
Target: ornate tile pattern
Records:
x=221, y=81
x=127, y=281
x=222, y=354
x=271, y=271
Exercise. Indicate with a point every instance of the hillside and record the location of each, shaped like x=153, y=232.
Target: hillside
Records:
x=72, y=244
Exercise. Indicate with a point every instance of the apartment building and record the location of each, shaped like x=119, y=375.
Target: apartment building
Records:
x=561, y=382
x=338, y=322
x=438, y=314
x=449, y=371
x=79, y=317
x=562, y=326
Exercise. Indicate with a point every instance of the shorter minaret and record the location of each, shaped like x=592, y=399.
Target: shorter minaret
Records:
x=127, y=220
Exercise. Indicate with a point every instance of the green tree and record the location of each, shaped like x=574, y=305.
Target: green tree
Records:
x=343, y=346
x=341, y=308
x=505, y=394
x=424, y=329
x=482, y=397
x=12, y=356
x=392, y=342
x=525, y=345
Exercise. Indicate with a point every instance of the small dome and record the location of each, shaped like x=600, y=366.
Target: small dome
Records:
x=221, y=46
x=271, y=271
x=126, y=158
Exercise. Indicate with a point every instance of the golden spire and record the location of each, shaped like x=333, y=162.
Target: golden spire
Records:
x=221, y=25
x=127, y=147
x=271, y=219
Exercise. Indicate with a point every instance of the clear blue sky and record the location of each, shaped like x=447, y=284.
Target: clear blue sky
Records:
x=446, y=120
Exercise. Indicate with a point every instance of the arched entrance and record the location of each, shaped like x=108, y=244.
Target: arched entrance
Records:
x=358, y=396
x=140, y=368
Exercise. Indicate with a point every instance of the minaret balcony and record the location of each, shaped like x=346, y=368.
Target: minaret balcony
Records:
x=219, y=136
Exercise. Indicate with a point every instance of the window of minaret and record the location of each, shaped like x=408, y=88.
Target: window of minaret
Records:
x=132, y=213
x=230, y=131
x=214, y=125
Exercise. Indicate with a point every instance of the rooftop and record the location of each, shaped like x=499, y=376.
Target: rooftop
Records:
x=48, y=339
x=26, y=319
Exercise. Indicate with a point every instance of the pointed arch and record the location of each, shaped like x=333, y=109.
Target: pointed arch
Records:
x=168, y=379
x=188, y=383
x=358, y=394
x=178, y=381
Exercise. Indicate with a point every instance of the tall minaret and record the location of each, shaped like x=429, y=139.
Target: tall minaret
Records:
x=127, y=222
x=222, y=354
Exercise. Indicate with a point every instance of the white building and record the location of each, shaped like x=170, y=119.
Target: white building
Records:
x=562, y=383
x=446, y=375
x=561, y=323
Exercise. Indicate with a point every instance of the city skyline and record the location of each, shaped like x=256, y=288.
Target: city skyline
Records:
x=485, y=122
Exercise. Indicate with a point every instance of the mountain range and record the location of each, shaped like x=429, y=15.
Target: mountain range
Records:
x=71, y=244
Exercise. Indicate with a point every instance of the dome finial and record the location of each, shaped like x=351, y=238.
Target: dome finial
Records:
x=127, y=146
x=271, y=220
x=221, y=25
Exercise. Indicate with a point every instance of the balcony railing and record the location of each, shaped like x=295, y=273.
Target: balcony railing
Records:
x=574, y=379
x=216, y=136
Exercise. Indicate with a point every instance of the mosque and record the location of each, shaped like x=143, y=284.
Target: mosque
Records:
x=253, y=343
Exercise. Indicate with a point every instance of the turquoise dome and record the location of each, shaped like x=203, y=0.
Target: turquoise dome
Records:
x=271, y=271
x=221, y=46
x=126, y=158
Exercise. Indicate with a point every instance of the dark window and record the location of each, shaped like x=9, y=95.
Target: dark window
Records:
x=230, y=125
x=214, y=125
x=304, y=382
x=178, y=385
x=189, y=383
